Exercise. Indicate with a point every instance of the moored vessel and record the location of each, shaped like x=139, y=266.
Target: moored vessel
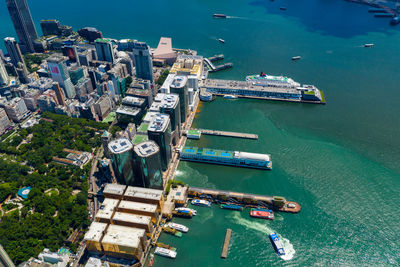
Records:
x=262, y=213
x=230, y=206
x=230, y=97
x=177, y=226
x=165, y=252
x=151, y=260
x=182, y=214
x=201, y=203
x=277, y=244
x=193, y=211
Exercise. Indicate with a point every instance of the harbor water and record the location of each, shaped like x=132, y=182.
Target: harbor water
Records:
x=340, y=161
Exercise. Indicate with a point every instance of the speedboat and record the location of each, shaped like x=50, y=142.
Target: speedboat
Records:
x=262, y=213
x=368, y=45
x=221, y=16
x=296, y=58
x=194, y=212
x=277, y=244
x=201, y=202
x=221, y=40
x=177, y=226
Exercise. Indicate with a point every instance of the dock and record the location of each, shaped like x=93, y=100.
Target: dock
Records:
x=212, y=68
x=227, y=134
x=216, y=58
x=225, y=248
x=249, y=200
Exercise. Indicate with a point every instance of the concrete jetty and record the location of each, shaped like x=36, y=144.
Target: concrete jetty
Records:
x=227, y=134
x=216, y=58
x=225, y=248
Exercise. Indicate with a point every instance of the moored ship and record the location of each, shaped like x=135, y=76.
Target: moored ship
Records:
x=277, y=244
x=201, y=202
x=165, y=252
x=192, y=211
x=177, y=226
x=272, y=81
x=230, y=206
x=262, y=213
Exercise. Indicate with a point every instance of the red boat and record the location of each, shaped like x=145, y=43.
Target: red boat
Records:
x=262, y=213
x=151, y=261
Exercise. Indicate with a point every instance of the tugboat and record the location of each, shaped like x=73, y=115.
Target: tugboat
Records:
x=221, y=40
x=177, y=226
x=262, y=213
x=201, y=202
x=194, y=212
x=165, y=252
x=230, y=206
x=219, y=16
x=277, y=244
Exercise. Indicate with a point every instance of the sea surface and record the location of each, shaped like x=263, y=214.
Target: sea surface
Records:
x=340, y=161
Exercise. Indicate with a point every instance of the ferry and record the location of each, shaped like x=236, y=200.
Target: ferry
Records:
x=177, y=226
x=221, y=16
x=277, y=244
x=201, y=202
x=272, y=81
x=182, y=214
x=165, y=252
x=194, y=212
x=296, y=58
x=171, y=231
x=230, y=97
x=262, y=213
x=221, y=40
x=368, y=45
x=231, y=206
x=151, y=261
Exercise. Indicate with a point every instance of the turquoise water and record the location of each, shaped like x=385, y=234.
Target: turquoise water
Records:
x=339, y=161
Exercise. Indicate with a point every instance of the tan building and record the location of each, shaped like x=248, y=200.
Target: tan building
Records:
x=188, y=65
x=114, y=191
x=125, y=242
x=139, y=208
x=107, y=210
x=144, y=195
x=94, y=235
x=134, y=221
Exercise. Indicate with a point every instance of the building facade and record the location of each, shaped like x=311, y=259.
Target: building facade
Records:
x=14, y=51
x=160, y=132
x=143, y=62
x=105, y=50
x=121, y=153
x=148, y=168
x=179, y=87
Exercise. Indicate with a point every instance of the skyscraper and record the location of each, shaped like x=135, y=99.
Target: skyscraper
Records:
x=179, y=87
x=121, y=153
x=170, y=105
x=160, y=132
x=14, y=51
x=59, y=73
x=148, y=165
x=4, y=79
x=143, y=62
x=23, y=24
x=105, y=50
x=59, y=94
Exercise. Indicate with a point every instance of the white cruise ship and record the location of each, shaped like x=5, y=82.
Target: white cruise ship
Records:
x=272, y=81
x=165, y=252
x=194, y=212
x=177, y=226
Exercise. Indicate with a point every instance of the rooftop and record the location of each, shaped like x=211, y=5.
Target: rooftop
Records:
x=170, y=101
x=179, y=81
x=132, y=218
x=139, y=138
x=95, y=231
x=120, y=145
x=131, y=111
x=107, y=208
x=146, y=148
x=103, y=40
x=116, y=189
x=225, y=153
x=133, y=101
x=141, y=192
x=143, y=127
x=130, y=205
x=123, y=236
x=159, y=123
x=150, y=115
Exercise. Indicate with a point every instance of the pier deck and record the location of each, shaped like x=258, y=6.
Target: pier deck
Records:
x=225, y=248
x=228, y=134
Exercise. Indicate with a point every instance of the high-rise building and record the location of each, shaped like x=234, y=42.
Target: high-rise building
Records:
x=16, y=109
x=23, y=24
x=160, y=132
x=103, y=106
x=4, y=121
x=30, y=98
x=90, y=33
x=59, y=73
x=22, y=73
x=105, y=50
x=143, y=62
x=121, y=153
x=4, y=79
x=170, y=105
x=14, y=51
x=50, y=27
x=148, y=168
x=59, y=94
x=105, y=139
x=179, y=87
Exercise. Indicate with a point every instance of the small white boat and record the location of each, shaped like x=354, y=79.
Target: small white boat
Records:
x=368, y=45
x=194, y=212
x=230, y=97
x=177, y=226
x=165, y=252
x=296, y=58
x=221, y=40
x=201, y=202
